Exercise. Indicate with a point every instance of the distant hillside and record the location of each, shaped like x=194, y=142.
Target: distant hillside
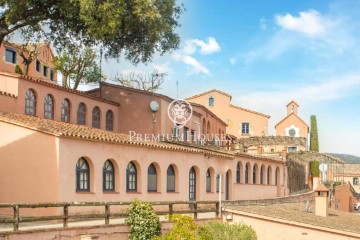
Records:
x=346, y=157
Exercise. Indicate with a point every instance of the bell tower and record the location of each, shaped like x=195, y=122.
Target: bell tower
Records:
x=292, y=107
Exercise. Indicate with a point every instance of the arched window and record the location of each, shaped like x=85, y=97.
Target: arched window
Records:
x=208, y=128
x=268, y=175
x=247, y=173
x=261, y=175
x=131, y=178
x=49, y=107
x=192, y=184
x=108, y=176
x=170, y=181
x=276, y=176
x=81, y=114
x=211, y=101
x=96, y=117
x=208, y=181
x=109, y=120
x=238, y=169
x=82, y=175
x=254, y=174
x=152, y=179
x=65, y=110
x=30, y=103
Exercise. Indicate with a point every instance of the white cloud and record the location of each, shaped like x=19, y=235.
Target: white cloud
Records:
x=311, y=23
x=333, y=88
x=196, y=67
x=233, y=60
x=209, y=47
x=193, y=46
x=162, y=68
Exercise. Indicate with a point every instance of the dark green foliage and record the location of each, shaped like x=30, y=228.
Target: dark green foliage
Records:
x=143, y=221
x=314, y=139
x=225, y=231
x=184, y=228
x=314, y=168
x=134, y=29
x=18, y=70
x=296, y=176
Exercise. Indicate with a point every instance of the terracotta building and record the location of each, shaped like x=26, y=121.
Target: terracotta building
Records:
x=292, y=125
x=241, y=122
x=42, y=67
x=67, y=162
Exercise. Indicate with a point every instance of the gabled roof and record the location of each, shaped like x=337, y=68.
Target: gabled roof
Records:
x=67, y=130
x=293, y=103
x=250, y=111
x=210, y=91
x=292, y=114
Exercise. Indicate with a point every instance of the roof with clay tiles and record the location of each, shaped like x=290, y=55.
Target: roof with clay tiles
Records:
x=67, y=130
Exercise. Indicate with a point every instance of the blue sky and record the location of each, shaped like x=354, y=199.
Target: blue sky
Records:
x=267, y=53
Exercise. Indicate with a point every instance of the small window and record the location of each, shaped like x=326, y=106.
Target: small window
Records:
x=108, y=176
x=185, y=136
x=245, y=128
x=292, y=132
x=208, y=181
x=30, y=103
x=109, y=120
x=356, y=181
x=10, y=55
x=292, y=149
x=45, y=70
x=48, y=107
x=96, y=117
x=65, y=111
x=131, y=178
x=170, y=183
x=211, y=101
x=38, y=65
x=81, y=114
x=82, y=175
x=152, y=178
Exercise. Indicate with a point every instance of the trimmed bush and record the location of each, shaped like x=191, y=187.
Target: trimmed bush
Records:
x=143, y=221
x=314, y=168
x=184, y=228
x=314, y=139
x=225, y=231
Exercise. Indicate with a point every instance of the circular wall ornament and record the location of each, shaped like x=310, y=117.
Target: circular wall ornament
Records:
x=154, y=106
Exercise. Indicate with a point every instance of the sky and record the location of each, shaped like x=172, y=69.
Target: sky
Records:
x=267, y=53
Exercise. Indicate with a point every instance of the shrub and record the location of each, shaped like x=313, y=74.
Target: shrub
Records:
x=225, y=231
x=314, y=168
x=184, y=228
x=314, y=138
x=143, y=221
x=18, y=69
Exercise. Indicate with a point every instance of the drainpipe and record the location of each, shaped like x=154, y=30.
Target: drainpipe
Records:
x=219, y=195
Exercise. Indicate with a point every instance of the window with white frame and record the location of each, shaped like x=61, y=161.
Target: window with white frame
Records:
x=245, y=128
x=10, y=55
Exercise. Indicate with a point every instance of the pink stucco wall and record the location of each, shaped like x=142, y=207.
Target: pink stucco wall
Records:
x=288, y=122
x=18, y=86
x=232, y=115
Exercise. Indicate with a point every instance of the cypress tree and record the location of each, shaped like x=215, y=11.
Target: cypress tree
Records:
x=314, y=140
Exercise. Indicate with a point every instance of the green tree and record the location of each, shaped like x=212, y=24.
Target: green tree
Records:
x=225, y=231
x=78, y=65
x=143, y=221
x=314, y=140
x=135, y=29
x=184, y=228
x=314, y=168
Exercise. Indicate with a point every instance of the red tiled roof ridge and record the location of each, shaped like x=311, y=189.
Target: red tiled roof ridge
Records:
x=62, y=129
x=250, y=111
x=54, y=85
x=210, y=91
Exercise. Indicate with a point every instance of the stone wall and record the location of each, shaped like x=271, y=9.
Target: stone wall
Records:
x=271, y=140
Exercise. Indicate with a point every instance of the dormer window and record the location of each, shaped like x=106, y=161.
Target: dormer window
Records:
x=211, y=101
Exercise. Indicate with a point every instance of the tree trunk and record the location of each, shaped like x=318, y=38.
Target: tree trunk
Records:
x=64, y=80
x=26, y=69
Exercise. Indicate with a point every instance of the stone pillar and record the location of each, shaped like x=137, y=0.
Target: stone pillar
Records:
x=316, y=184
x=321, y=201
